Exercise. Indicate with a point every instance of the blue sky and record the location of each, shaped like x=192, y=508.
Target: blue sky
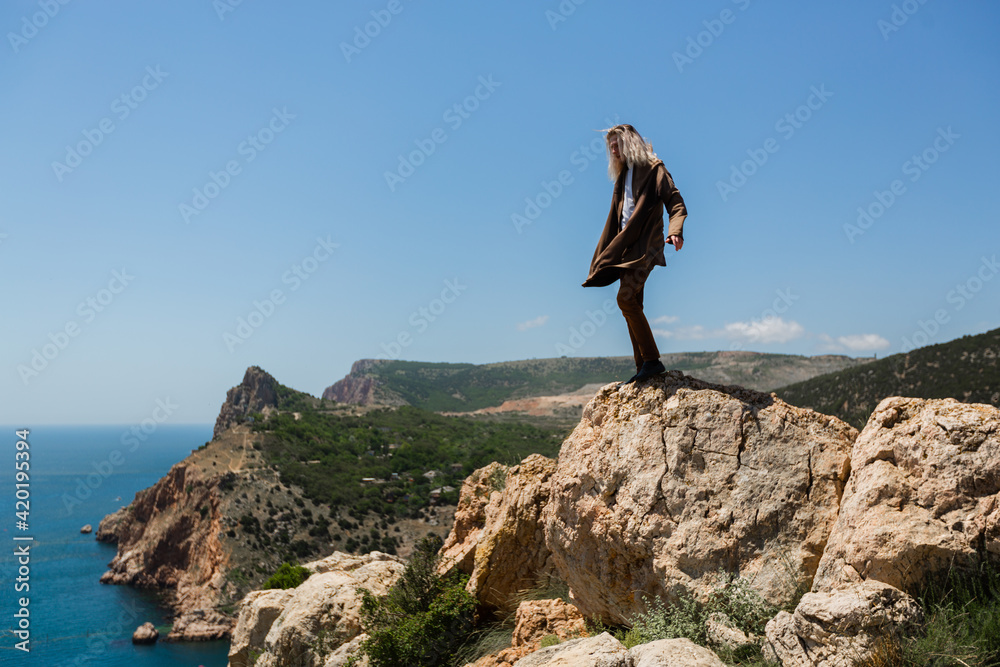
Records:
x=195, y=187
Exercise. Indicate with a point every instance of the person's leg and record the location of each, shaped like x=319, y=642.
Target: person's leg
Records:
x=630, y=293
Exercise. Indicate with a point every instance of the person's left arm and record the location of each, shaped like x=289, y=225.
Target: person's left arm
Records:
x=667, y=192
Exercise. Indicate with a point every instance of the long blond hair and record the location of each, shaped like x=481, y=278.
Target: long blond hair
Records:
x=634, y=149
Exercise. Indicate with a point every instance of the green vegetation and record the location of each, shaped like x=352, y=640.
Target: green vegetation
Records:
x=287, y=575
x=732, y=602
x=328, y=455
x=962, y=624
x=423, y=619
x=966, y=369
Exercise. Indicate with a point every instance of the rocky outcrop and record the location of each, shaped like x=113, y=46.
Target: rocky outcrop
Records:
x=145, y=634
x=924, y=494
x=87, y=529
x=257, y=393
x=664, y=483
x=305, y=626
x=511, y=554
x=922, y=498
x=166, y=541
x=840, y=628
x=673, y=653
x=362, y=387
x=459, y=549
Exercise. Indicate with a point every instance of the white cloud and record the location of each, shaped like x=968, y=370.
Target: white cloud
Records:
x=863, y=342
x=768, y=330
x=696, y=332
x=665, y=319
x=531, y=324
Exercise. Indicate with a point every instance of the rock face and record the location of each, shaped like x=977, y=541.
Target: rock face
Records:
x=361, y=387
x=145, y=634
x=511, y=554
x=165, y=542
x=257, y=393
x=923, y=494
x=459, y=548
x=663, y=483
x=305, y=626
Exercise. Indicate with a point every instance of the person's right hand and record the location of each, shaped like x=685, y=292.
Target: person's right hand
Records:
x=676, y=241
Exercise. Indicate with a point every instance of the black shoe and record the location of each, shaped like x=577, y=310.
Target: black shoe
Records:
x=649, y=369
x=628, y=381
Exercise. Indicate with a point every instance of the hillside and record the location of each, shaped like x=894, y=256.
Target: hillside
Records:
x=965, y=369
x=449, y=387
x=289, y=477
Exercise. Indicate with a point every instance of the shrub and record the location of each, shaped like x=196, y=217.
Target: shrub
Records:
x=287, y=576
x=424, y=618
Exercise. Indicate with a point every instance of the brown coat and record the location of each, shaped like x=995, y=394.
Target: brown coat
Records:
x=641, y=241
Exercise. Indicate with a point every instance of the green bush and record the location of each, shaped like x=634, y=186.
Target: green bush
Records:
x=287, y=576
x=424, y=618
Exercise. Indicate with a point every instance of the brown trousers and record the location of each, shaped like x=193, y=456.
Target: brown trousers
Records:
x=631, y=284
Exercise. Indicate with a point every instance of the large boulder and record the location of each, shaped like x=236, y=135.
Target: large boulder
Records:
x=145, y=634
x=673, y=653
x=304, y=626
x=840, y=628
x=600, y=651
x=665, y=482
x=923, y=494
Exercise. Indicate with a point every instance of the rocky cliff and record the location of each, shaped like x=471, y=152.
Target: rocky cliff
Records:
x=169, y=538
x=360, y=386
x=257, y=393
x=218, y=524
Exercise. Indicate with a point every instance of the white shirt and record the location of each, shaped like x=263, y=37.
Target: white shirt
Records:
x=628, y=202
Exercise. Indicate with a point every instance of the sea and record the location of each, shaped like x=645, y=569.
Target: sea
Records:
x=51, y=599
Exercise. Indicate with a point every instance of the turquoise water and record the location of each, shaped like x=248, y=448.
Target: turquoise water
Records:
x=77, y=478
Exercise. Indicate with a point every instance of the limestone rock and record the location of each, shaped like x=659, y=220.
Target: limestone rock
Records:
x=838, y=628
x=533, y=621
x=258, y=611
x=346, y=651
x=87, y=529
x=536, y=619
x=257, y=393
x=923, y=494
x=721, y=632
x=145, y=634
x=665, y=482
x=673, y=653
x=305, y=626
x=459, y=549
x=511, y=554
x=600, y=651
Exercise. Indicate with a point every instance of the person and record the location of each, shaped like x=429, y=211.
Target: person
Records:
x=632, y=242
